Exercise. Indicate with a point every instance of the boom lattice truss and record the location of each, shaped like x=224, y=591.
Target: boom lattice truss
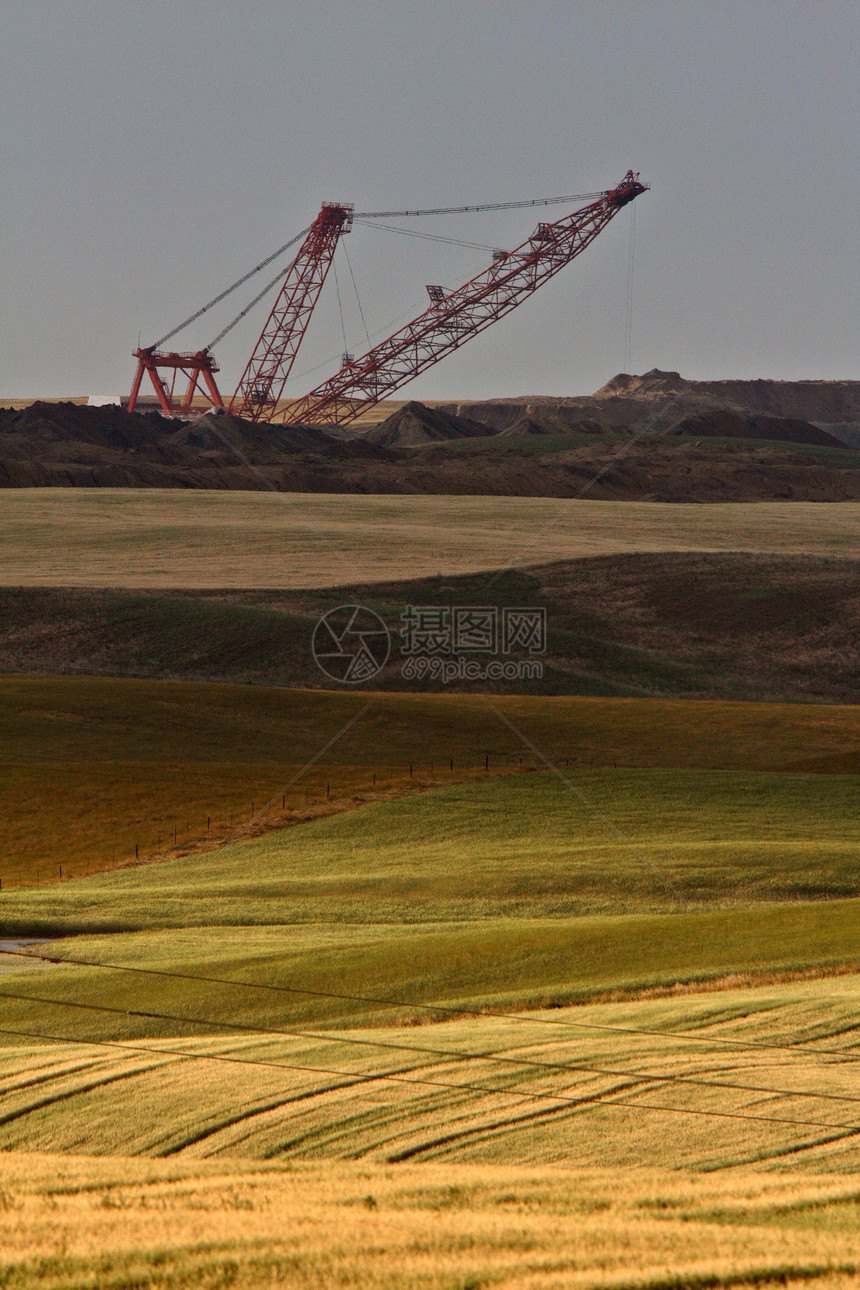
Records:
x=452, y=319
x=262, y=383
x=449, y=321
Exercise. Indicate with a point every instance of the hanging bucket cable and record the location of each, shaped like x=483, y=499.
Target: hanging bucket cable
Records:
x=340, y=308
x=628, y=317
x=357, y=296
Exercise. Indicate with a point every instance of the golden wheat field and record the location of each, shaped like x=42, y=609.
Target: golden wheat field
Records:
x=113, y=1223
x=170, y=538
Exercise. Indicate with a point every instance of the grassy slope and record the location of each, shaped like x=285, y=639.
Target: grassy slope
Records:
x=89, y=768
x=433, y=1227
x=154, y=538
x=521, y=846
x=836, y=455
x=671, y=625
x=45, y=720
x=523, y=899
x=493, y=909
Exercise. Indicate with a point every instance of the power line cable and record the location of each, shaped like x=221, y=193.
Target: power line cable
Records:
x=595, y=1100
x=456, y=1055
x=846, y=1130
x=448, y=1010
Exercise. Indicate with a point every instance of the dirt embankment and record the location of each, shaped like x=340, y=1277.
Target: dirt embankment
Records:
x=626, y=400
x=702, y=453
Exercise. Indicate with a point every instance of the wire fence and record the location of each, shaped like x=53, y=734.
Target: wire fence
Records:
x=127, y=842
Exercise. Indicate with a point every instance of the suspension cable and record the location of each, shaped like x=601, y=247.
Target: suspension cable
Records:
x=430, y=237
x=340, y=309
x=277, y=278
x=362, y=215
x=355, y=289
x=491, y=206
x=223, y=294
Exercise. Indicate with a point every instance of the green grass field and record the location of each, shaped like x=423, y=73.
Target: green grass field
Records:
x=464, y=1023
x=524, y=846
x=694, y=1039
x=91, y=768
x=671, y=625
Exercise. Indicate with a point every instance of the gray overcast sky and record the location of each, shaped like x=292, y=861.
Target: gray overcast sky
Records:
x=152, y=152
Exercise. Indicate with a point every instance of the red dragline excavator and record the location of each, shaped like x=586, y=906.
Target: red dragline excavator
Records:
x=450, y=319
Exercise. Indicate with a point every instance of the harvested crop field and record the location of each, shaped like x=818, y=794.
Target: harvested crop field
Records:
x=168, y=538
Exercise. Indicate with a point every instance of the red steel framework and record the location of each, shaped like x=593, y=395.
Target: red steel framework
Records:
x=264, y=378
x=449, y=321
x=193, y=366
x=452, y=319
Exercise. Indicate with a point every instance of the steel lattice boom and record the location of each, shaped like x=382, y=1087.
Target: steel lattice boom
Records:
x=263, y=380
x=452, y=319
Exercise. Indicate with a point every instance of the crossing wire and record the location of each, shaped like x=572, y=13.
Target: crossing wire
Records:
x=386, y=1077
x=456, y=1055
x=447, y=1010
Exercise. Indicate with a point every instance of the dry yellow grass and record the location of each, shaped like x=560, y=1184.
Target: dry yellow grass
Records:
x=68, y=820
x=171, y=538
x=16, y=405
x=118, y=1222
